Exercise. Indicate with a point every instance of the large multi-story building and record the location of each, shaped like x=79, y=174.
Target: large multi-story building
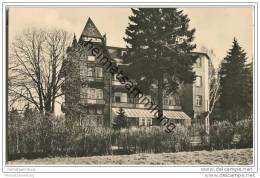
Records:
x=94, y=96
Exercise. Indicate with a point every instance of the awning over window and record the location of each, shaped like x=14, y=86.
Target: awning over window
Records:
x=146, y=113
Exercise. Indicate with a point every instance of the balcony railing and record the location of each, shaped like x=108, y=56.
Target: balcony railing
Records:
x=92, y=101
x=123, y=105
x=172, y=107
x=94, y=79
x=164, y=106
x=116, y=83
x=140, y=106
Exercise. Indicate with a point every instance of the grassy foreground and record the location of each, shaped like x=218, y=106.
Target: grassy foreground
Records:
x=217, y=157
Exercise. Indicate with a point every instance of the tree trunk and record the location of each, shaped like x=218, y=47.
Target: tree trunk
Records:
x=53, y=105
x=160, y=97
x=207, y=124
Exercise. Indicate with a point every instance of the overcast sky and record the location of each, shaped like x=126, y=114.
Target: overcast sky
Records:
x=215, y=27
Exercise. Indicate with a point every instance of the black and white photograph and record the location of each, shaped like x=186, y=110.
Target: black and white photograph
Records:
x=166, y=85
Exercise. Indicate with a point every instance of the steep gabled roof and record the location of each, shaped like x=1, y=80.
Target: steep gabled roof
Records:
x=90, y=30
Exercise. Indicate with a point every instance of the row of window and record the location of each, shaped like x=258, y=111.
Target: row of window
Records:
x=119, y=97
x=172, y=101
x=145, y=121
x=91, y=71
x=98, y=73
x=91, y=39
x=91, y=93
x=94, y=110
x=91, y=120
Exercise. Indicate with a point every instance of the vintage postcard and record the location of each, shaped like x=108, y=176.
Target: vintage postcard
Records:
x=127, y=85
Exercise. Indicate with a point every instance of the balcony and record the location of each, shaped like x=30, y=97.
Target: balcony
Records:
x=172, y=107
x=123, y=105
x=140, y=106
x=164, y=107
x=116, y=83
x=94, y=81
x=92, y=101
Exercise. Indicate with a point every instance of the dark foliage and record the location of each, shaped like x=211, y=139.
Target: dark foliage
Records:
x=120, y=120
x=235, y=85
x=159, y=50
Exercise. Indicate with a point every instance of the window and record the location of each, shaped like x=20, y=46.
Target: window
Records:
x=124, y=97
x=120, y=97
x=131, y=99
x=91, y=93
x=198, y=81
x=99, y=111
x=198, y=63
x=83, y=93
x=166, y=101
x=100, y=120
x=149, y=121
x=99, y=72
x=177, y=100
x=83, y=70
x=117, y=99
x=90, y=72
x=141, y=121
x=91, y=110
x=123, y=53
x=169, y=100
x=198, y=100
x=99, y=94
x=145, y=121
x=91, y=58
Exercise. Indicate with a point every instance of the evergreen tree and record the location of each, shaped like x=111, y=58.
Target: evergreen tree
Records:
x=248, y=90
x=232, y=83
x=159, y=50
x=120, y=120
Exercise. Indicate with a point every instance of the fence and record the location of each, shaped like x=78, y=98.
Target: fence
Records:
x=41, y=136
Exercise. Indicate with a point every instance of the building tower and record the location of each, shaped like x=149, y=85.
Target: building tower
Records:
x=87, y=86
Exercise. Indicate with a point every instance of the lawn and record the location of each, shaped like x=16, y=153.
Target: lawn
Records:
x=217, y=157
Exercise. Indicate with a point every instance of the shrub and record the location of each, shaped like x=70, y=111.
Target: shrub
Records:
x=153, y=139
x=182, y=137
x=90, y=141
x=144, y=139
x=221, y=134
x=35, y=135
x=244, y=128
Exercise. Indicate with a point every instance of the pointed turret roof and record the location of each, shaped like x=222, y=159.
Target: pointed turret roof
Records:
x=90, y=30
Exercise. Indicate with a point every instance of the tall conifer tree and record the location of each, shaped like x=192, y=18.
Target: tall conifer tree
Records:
x=233, y=80
x=159, y=50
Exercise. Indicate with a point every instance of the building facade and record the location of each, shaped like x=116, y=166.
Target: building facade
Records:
x=93, y=96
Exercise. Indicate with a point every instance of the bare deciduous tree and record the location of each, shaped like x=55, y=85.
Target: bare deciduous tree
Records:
x=213, y=88
x=34, y=72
